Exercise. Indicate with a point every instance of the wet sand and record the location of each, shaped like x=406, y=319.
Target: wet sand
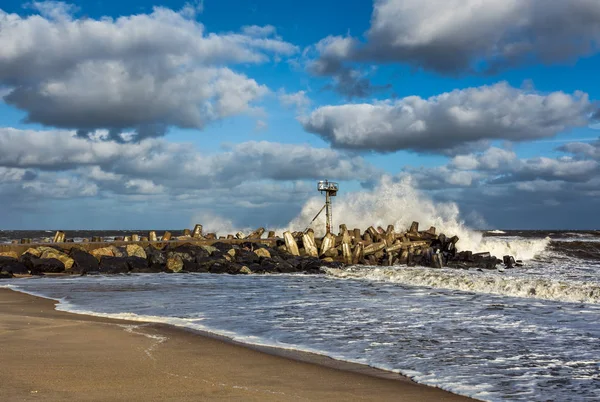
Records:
x=56, y=356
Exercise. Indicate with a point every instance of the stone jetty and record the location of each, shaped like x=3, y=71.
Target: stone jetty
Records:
x=196, y=251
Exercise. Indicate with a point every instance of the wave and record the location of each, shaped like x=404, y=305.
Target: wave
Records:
x=489, y=283
x=496, y=231
x=586, y=250
x=400, y=203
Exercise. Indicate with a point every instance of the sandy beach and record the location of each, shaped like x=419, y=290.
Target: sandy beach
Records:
x=51, y=355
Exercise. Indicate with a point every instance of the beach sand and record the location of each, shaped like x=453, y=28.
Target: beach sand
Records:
x=48, y=355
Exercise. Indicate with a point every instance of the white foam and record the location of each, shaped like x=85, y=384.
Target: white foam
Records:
x=491, y=283
x=399, y=203
x=496, y=231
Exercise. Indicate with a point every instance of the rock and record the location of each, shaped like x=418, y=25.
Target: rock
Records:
x=175, y=263
x=5, y=275
x=139, y=265
x=133, y=250
x=33, y=251
x=46, y=265
x=245, y=270
x=211, y=249
x=437, y=261
x=113, y=265
x=83, y=262
x=102, y=252
x=11, y=254
x=12, y=265
x=194, y=267
x=262, y=252
x=64, y=258
x=119, y=251
x=220, y=267
x=509, y=261
x=247, y=257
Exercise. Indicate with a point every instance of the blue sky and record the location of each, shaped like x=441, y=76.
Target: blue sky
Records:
x=155, y=115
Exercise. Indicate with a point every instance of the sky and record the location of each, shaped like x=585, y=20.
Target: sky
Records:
x=140, y=115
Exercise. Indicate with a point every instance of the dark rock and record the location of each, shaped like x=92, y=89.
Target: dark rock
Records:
x=156, y=258
x=83, y=261
x=437, y=261
x=27, y=260
x=509, y=261
x=194, y=267
x=46, y=265
x=224, y=247
x=188, y=252
x=12, y=266
x=246, y=257
x=221, y=267
x=139, y=265
x=113, y=265
x=5, y=275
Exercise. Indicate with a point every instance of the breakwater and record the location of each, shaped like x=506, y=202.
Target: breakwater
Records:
x=255, y=252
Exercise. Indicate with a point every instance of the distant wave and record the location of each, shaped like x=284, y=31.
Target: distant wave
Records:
x=491, y=283
x=496, y=231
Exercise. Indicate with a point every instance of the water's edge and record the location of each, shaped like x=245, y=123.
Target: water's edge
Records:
x=286, y=353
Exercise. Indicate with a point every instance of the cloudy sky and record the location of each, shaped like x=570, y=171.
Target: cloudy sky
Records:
x=127, y=115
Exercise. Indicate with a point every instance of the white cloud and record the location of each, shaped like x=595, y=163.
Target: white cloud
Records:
x=450, y=120
x=154, y=165
x=458, y=36
x=143, y=72
x=298, y=100
x=259, y=31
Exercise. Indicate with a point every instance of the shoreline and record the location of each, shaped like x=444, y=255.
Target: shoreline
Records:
x=158, y=353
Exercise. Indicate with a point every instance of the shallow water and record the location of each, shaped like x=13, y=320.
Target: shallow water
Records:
x=482, y=334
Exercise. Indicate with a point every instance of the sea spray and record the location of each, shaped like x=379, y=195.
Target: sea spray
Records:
x=400, y=203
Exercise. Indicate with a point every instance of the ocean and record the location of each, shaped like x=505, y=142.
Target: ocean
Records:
x=523, y=334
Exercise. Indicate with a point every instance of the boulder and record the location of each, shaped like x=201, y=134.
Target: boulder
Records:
x=246, y=257
x=46, y=265
x=140, y=265
x=33, y=251
x=244, y=270
x=113, y=265
x=11, y=254
x=133, y=250
x=99, y=253
x=5, y=275
x=194, y=267
x=509, y=261
x=62, y=257
x=175, y=263
x=221, y=267
x=12, y=265
x=83, y=262
x=210, y=249
x=262, y=252
x=119, y=251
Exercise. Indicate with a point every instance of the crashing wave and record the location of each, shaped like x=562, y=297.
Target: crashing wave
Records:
x=490, y=283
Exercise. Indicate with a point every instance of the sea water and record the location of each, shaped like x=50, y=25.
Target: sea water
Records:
x=529, y=333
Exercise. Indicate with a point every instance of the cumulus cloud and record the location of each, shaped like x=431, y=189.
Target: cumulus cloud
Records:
x=154, y=165
x=297, y=100
x=458, y=36
x=447, y=122
x=455, y=37
x=134, y=72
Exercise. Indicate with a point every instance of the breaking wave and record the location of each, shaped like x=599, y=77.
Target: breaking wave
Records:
x=489, y=283
x=399, y=203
